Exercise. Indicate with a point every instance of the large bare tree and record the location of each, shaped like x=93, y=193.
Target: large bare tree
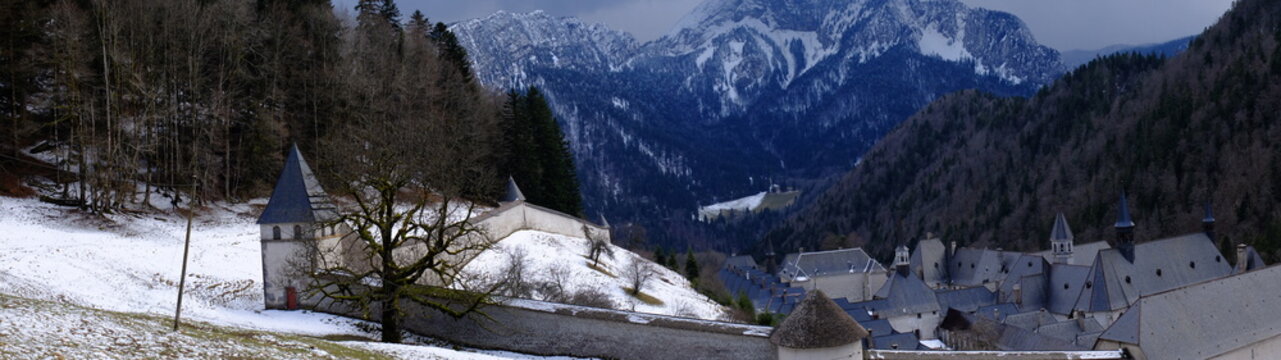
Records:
x=405, y=165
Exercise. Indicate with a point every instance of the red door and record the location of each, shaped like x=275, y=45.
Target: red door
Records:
x=291, y=298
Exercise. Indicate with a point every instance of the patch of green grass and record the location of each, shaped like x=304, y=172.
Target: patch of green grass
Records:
x=643, y=297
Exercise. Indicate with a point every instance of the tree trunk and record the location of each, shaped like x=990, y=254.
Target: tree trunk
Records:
x=390, y=313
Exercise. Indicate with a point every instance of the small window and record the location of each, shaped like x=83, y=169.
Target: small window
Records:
x=1127, y=279
x=275, y=233
x=1089, y=284
x=1065, y=286
x=1158, y=272
x=1218, y=258
x=971, y=266
x=1192, y=264
x=297, y=232
x=936, y=265
x=1029, y=264
x=918, y=315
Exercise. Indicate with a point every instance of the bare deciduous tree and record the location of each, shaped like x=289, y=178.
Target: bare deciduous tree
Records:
x=597, y=246
x=639, y=273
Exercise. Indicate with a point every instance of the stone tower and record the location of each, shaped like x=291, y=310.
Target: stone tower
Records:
x=299, y=216
x=1061, y=241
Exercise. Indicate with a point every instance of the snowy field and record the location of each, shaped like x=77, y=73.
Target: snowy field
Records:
x=130, y=263
x=546, y=254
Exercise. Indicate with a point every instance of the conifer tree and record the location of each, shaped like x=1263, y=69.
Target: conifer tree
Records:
x=691, y=265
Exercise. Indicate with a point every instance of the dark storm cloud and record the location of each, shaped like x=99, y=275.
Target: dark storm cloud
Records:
x=1062, y=24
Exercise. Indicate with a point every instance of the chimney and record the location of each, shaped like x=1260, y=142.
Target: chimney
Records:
x=1125, y=230
x=1243, y=262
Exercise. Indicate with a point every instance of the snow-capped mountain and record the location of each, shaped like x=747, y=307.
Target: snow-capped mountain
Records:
x=742, y=91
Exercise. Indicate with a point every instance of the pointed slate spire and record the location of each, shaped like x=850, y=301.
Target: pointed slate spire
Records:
x=1061, y=231
x=603, y=221
x=1061, y=240
x=513, y=192
x=1207, y=222
x=1123, y=220
x=298, y=197
x=1125, y=230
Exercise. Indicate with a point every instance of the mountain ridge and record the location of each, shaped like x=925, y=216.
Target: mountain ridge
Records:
x=750, y=94
x=990, y=171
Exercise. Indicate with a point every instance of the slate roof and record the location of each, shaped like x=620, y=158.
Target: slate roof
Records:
x=1205, y=319
x=929, y=259
x=513, y=192
x=997, y=312
x=833, y=262
x=298, y=197
x=904, y=341
x=1030, y=320
x=968, y=299
x=741, y=261
x=1071, y=330
x=1064, y=286
x=817, y=323
x=1123, y=214
x=1082, y=254
x=906, y=295
x=765, y=291
x=974, y=267
x=1029, y=267
x=878, y=327
x=1158, y=266
x=1007, y=337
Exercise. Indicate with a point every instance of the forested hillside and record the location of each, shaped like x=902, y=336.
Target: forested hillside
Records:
x=989, y=171
x=136, y=97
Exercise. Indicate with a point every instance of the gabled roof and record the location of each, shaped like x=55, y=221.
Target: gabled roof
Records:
x=974, y=267
x=1158, y=266
x=930, y=260
x=905, y=295
x=742, y=262
x=997, y=312
x=817, y=323
x=298, y=197
x=513, y=192
x=1204, y=320
x=904, y=341
x=1065, y=285
x=832, y=262
x=968, y=299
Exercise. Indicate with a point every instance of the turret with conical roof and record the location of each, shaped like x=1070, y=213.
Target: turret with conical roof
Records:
x=817, y=325
x=299, y=213
x=513, y=192
x=1061, y=240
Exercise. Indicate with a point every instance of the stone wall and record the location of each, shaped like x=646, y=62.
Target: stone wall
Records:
x=541, y=328
x=986, y=355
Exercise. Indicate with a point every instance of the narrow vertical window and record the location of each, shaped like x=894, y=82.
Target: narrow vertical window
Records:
x=275, y=233
x=297, y=232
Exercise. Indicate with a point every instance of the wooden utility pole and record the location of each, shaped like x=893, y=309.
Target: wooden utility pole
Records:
x=182, y=280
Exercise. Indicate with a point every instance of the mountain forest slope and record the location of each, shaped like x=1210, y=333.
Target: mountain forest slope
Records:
x=743, y=94
x=989, y=171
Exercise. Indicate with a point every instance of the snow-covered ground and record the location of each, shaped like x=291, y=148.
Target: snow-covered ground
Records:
x=546, y=254
x=131, y=263
x=747, y=203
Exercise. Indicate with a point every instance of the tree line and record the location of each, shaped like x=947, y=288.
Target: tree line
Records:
x=203, y=97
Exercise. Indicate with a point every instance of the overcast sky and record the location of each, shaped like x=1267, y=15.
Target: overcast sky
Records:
x=1061, y=24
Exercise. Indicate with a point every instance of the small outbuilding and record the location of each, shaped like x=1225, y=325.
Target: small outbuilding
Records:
x=818, y=329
